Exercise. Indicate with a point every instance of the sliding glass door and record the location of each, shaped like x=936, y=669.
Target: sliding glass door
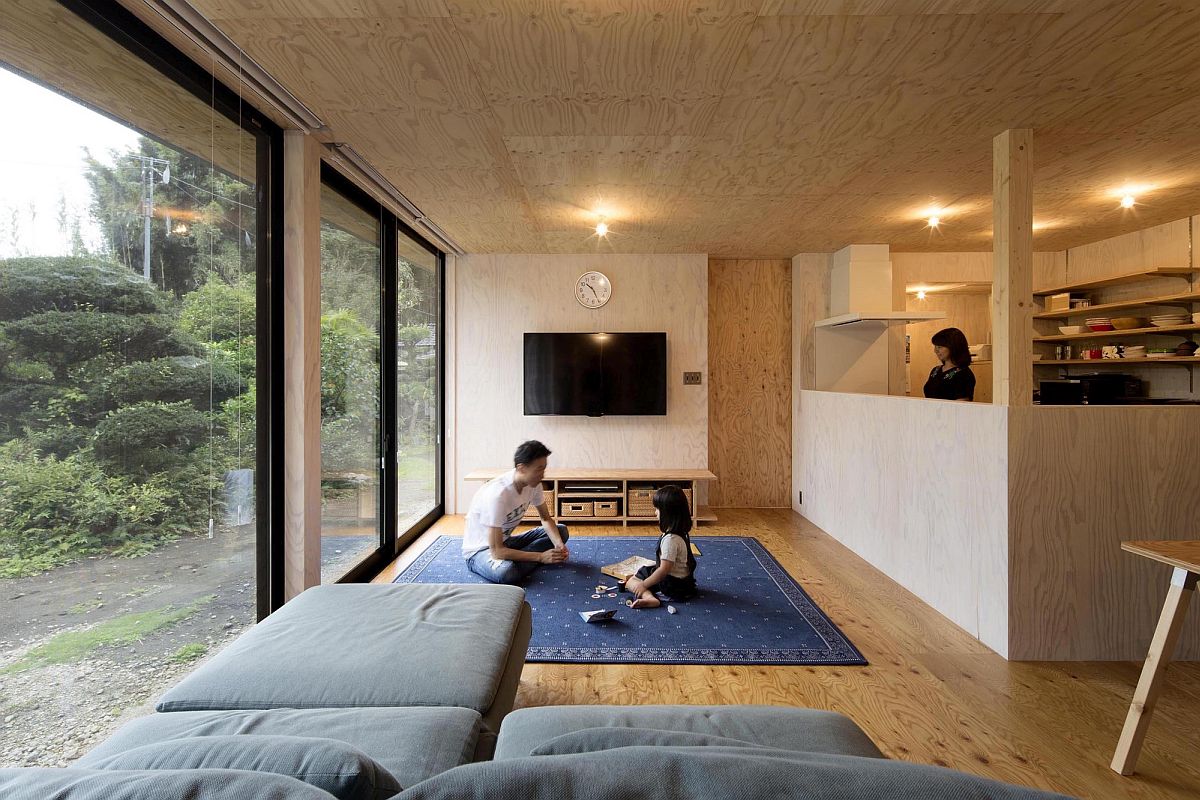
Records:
x=381, y=382
x=351, y=380
x=418, y=381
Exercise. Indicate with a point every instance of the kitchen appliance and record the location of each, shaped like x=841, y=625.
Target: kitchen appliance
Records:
x=1061, y=393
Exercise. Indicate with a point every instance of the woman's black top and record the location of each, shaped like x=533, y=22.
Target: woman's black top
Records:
x=956, y=383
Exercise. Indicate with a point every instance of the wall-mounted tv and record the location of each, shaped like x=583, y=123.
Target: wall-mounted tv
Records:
x=596, y=374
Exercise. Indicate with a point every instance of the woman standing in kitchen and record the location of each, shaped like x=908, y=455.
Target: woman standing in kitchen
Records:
x=951, y=379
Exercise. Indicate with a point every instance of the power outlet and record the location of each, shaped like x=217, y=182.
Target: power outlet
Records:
x=691, y=379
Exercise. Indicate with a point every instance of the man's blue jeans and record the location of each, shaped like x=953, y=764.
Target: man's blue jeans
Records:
x=513, y=572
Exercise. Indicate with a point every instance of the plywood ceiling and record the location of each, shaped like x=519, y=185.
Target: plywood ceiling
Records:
x=747, y=127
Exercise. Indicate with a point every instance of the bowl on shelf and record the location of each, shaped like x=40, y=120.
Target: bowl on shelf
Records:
x=1071, y=330
x=1196, y=318
x=1186, y=349
x=1128, y=323
x=1037, y=356
x=1100, y=327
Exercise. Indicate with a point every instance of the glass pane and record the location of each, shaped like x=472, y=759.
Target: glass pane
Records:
x=350, y=381
x=127, y=384
x=417, y=425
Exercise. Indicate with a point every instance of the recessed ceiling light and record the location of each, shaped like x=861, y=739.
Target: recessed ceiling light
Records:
x=602, y=229
x=921, y=295
x=934, y=222
x=1128, y=201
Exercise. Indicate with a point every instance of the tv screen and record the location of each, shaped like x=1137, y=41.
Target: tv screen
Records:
x=595, y=374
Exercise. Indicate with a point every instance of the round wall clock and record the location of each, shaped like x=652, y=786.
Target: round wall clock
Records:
x=593, y=289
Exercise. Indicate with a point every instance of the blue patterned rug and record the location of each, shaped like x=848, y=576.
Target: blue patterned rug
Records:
x=748, y=610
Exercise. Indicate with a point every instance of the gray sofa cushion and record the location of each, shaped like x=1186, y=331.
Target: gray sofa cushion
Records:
x=720, y=773
x=591, y=740
x=336, y=767
x=410, y=743
x=773, y=726
x=33, y=783
x=359, y=645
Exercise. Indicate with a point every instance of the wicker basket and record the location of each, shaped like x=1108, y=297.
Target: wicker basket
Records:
x=571, y=508
x=641, y=502
x=606, y=508
x=532, y=512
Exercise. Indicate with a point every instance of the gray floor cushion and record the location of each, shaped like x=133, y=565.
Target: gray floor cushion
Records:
x=410, y=743
x=801, y=729
x=710, y=773
x=362, y=645
x=345, y=772
x=35, y=783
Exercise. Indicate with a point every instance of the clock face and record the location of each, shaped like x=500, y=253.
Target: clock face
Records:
x=592, y=290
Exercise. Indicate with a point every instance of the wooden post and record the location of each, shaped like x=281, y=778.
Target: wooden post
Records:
x=1012, y=276
x=1150, y=684
x=302, y=362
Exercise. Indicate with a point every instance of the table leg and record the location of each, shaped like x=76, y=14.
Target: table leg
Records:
x=1162, y=647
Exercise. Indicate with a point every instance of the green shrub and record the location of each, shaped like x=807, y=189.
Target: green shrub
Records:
x=349, y=365
x=218, y=311
x=170, y=380
x=150, y=437
x=64, y=338
x=86, y=283
x=54, y=510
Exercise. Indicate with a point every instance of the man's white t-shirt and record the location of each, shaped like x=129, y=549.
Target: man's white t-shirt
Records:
x=497, y=505
x=675, y=550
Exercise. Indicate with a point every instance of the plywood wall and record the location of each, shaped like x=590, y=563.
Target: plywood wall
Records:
x=1081, y=481
x=810, y=302
x=500, y=297
x=919, y=488
x=750, y=380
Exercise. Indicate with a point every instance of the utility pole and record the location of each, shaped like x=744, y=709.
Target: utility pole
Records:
x=152, y=169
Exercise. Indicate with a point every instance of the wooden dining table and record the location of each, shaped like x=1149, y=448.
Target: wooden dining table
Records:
x=1184, y=558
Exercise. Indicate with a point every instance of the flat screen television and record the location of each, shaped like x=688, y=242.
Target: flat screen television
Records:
x=595, y=374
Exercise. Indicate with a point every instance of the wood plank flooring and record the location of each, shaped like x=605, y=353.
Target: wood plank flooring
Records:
x=932, y=693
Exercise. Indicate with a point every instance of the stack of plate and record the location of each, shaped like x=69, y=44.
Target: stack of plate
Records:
x=1135, y=351
x=1159, y=352
x=1196, y=318
x=1170, y=320
x=1099, y=323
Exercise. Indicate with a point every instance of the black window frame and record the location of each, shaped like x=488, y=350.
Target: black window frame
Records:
x=124, y=28
x=392, y=540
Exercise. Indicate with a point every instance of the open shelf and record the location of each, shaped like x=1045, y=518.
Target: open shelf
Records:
x=1114, y=280
x=1170, y=329
x=556, y=480
x=1183, y=299
x=1120, y=362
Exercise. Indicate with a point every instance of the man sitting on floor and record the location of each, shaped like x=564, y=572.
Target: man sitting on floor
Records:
x=489, y=547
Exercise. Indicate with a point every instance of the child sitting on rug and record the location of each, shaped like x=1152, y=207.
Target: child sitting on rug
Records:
x=674, y=567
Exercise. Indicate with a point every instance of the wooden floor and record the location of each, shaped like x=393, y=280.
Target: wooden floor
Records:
x=932, y=693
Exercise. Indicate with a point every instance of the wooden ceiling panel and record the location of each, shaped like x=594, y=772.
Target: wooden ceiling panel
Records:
x=588, y=160
x=359, y=64
x=878, y=7
x=326, y=9
x=746, y=127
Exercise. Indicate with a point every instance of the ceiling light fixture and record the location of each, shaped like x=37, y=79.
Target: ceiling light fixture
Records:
x=602, y=229
x=921, y=295
x=934, y=222
x=1128, y=201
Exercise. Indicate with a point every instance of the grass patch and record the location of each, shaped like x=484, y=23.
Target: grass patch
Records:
x=127, y=629
x=189, y=652
x=86, y=606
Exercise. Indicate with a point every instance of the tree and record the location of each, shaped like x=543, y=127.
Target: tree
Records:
x=202, y=217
